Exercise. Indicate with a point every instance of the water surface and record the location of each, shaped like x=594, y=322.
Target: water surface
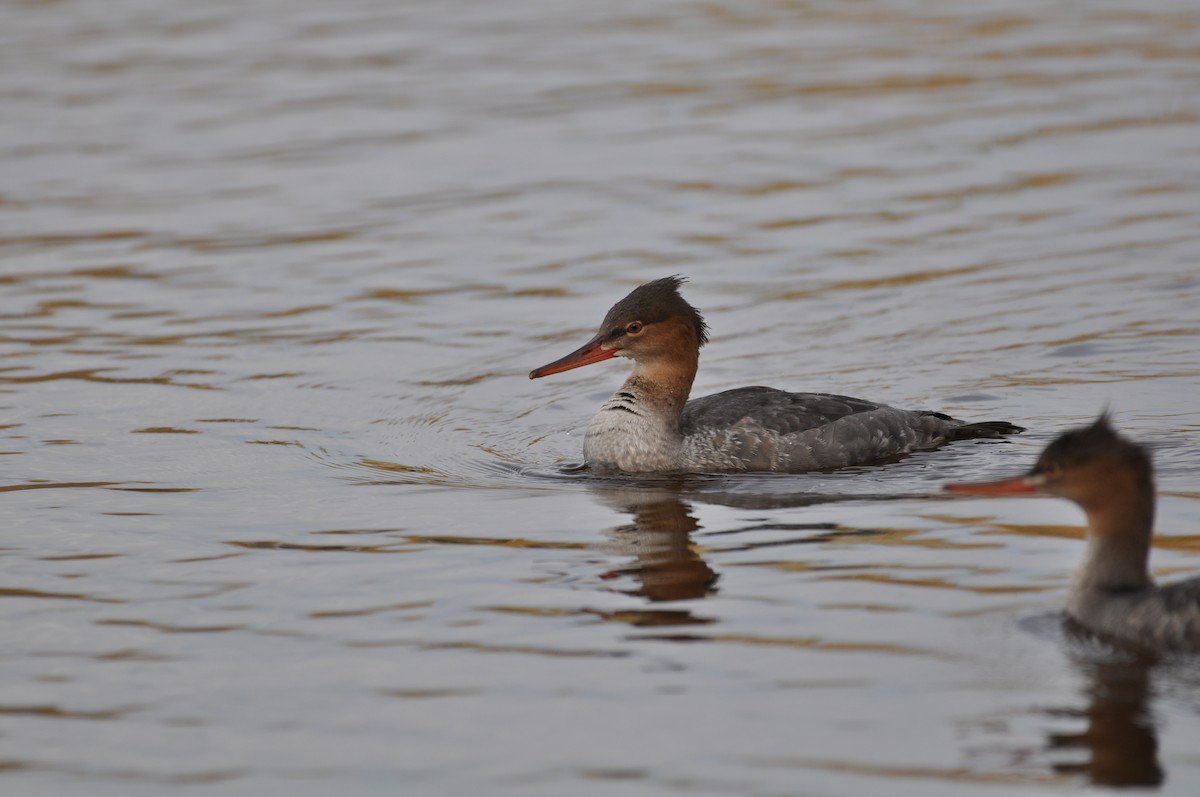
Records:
x=284, y=515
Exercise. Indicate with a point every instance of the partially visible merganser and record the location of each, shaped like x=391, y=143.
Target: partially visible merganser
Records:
x=1112, y=479
x=649, y=426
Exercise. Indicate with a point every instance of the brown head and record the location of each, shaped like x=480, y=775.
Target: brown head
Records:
x=1092, y=466
x=652, y=324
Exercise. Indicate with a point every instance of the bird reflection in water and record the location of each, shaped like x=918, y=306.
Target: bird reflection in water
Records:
x=667, y=565
x=1120, y=734
x=1120, y=739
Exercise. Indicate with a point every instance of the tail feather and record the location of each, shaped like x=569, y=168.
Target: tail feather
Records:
x=993, y=429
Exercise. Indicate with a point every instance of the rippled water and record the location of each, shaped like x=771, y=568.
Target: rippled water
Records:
x=284, y=515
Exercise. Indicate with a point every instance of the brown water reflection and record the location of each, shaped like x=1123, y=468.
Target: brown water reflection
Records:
x=1120, y=739
x=1118, y=743
x=668, y=566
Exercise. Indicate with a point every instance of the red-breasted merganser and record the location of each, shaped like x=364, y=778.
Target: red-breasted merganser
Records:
x=649, y=426
x=1112, y=479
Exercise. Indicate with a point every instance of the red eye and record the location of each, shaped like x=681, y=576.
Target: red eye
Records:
x=633, y=327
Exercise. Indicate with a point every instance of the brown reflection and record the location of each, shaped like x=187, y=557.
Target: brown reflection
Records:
x=638, y=618
x=52, y=485
x=482, y=647
x=166, y=628
x=94, y=375
x=1180, y=542
x=280, y=545
x=1017, y=185
x=70, y=239
x=58, y=712
x=1120, y=734
x=671, y=568
x=13, y=592
x=803, y=643
x=1101, y=125
x=667, y=565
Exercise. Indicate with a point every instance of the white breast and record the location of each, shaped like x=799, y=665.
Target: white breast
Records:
x=628, y=439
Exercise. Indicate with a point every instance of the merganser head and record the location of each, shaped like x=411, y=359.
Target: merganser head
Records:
x=650, y=323
x=1083, y=465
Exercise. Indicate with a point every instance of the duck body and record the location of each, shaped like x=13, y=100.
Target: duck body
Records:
x=650, y=426
x=1112, y=594
x=762, y=429
x=1163, y=617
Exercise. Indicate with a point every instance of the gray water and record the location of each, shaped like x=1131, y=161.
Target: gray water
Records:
x=283, y=514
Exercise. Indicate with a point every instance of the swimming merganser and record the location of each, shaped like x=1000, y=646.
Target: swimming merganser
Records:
x=649, y=426
x=1112, y=479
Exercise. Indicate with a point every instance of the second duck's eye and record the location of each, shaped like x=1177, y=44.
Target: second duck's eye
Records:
x=633, y=327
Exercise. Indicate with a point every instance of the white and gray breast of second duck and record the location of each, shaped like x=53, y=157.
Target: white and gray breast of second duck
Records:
x=650, y=426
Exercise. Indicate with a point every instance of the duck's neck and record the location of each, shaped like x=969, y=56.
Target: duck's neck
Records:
x=662, y=387
x=1119, y=532
x=637, y=430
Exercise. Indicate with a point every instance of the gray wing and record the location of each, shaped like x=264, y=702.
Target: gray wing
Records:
x=760, y=428
x=774, y=410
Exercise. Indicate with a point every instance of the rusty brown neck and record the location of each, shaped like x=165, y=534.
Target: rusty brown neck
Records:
x=665, y=383
x=1120, y=525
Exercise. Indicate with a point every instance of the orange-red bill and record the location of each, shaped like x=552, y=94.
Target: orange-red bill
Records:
x=1021, y=485
x=588, y=353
